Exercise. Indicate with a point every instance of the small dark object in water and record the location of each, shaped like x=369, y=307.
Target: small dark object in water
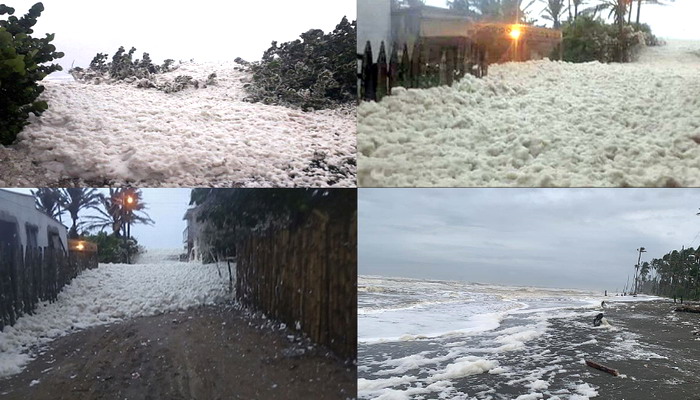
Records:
x=602, y=304
x=598, y=319
x=601, y=367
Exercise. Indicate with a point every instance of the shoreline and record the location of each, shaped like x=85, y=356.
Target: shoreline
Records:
x=652, y=346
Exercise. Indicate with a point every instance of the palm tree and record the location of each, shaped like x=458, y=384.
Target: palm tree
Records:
x=553, y=12
x=577, y=4
x=511, y=11
x=48, y=200
x=117, y=215
x=639, y=5
x=75, y=200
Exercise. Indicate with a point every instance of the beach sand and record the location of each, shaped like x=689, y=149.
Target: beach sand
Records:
x=652, y=347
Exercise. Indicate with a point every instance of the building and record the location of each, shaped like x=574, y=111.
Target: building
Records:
x=192, y=236
x=22, y=224
x=442, y=33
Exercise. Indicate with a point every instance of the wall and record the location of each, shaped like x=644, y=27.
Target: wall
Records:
x=20, y=209
x=306, y=275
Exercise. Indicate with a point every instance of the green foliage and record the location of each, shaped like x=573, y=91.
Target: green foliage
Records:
x=48, y=201
x=110, y=247
x=23, y=61
x=587, y=39
x=122, y=67
x=675, y=274
x=232, y=214
x=315, y=72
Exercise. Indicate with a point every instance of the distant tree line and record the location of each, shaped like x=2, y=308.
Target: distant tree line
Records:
x=676, y=274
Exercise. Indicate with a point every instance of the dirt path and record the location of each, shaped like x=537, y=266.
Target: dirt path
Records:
x=207, y=353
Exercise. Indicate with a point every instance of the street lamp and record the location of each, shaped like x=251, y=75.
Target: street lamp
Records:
x=515, y=32
x=129, y=203
x=636, y=267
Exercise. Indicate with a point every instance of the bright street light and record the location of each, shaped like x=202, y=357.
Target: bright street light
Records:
x=515, y=32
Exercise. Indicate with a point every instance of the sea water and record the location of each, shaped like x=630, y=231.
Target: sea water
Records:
x=426, y=339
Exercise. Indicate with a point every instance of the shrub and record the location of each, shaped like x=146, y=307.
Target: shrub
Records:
x=587, y=39
x=110, y=247
x=314, y=72
x=122, y=67
x=22, y=59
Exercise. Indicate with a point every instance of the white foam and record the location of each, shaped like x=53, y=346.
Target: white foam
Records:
x=107, y=294
x=541, y=123
x=196, y=137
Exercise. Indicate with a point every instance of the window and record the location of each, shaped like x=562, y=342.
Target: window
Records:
x=32, y=235
x=8, y=233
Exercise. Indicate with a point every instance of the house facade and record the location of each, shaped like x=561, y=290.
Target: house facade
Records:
x=443, y=33
x=22, y=224
x=192, y=236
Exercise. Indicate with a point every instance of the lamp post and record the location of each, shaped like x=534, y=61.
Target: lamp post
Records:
x=636, y=267
x=128, y=203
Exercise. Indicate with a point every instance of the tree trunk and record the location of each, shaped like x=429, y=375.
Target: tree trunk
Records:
x=639, y=9
x=629, y=13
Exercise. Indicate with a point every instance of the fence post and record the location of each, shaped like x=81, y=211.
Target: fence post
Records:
x=382, y=78
x=369, y=77
x=393, y=68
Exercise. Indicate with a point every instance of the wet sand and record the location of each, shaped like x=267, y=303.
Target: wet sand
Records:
x=652, y=347
x=217, y=352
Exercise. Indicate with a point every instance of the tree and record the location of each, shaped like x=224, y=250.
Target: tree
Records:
x=75, y=200
x=116, y=214
x=554, y=9
x=314, y=72
x=23, y=63
x=48, y=200
x=639, y=5
x=232, y=214
x=510, y=11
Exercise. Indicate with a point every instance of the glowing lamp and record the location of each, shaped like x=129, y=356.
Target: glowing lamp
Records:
x=129, y=200
x=80, y=246
x=515, y=33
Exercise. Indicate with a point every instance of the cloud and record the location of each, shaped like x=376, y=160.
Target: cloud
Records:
x=582, y=238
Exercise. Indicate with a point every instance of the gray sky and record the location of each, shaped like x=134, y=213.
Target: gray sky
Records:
x=165, y=206
x=678, y=20
x=206, y=30
x=570, y=238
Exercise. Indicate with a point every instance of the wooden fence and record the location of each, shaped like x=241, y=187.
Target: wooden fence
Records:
x=440, y=61
x=306, y=275
x=30, y=275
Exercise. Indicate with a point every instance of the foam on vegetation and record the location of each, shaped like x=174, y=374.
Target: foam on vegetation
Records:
x=196, y=137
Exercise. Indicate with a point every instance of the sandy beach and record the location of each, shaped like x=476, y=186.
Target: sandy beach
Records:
x=652, y=347
x=433, y=339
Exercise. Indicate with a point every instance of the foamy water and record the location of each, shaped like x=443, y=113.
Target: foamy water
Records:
x=445, y=339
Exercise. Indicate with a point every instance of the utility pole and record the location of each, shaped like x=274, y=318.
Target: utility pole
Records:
x=636, y=267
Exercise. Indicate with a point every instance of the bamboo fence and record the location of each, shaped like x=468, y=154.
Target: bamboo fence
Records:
x=306, y=277
x=35, y=274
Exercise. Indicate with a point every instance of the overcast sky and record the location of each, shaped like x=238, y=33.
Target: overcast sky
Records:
x=206, y=30
x=165, y=206
x=569, y=238
x=678, y=20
